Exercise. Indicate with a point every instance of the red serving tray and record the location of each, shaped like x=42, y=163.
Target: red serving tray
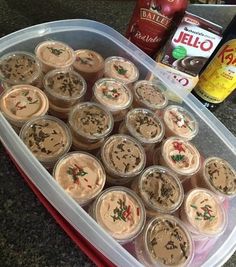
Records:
x=96, y=256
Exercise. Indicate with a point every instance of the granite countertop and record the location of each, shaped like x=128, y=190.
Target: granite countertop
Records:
x=29, y=236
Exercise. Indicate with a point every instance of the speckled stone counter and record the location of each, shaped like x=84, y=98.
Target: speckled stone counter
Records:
x=29, y=236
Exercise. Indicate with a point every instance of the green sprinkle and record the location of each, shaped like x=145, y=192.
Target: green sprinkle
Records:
x=193, y=206
x=177, y=157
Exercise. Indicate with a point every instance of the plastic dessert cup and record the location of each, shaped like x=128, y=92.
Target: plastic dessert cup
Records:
x=121, y=69
x=165, y=241
x=47, y=137
x=54, y=55
x=203, y=214
x=61, y=113
x=93, y=147
x=148, y=94
x=19, y=68
x=123, y=158
x=160, y=190
x=217, y=175
x=64, y=87
x=145, y=126
x=179, y=122
x=81, y=175
x=89, y=64
x=23, y=102
x=180, y=155
x=120, y=212
x=90, y=122
x=114, y=95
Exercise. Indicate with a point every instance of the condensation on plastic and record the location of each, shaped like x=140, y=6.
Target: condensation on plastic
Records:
x=213, y=138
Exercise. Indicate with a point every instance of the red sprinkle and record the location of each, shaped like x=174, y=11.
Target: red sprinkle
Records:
x=178, y=146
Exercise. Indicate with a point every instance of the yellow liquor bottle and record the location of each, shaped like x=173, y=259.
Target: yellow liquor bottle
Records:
x=218, y=80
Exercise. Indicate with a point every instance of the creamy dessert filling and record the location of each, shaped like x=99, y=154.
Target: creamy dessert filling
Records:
x=19, y=68
x=112, y=94
x=168, y=242
x=88, y=61
x=64, y=84
x=55, y=54
x=144, y=125
x=81, y=175
x=220, y=175
x=121, y=69
x=180, y=122
x=120, y=213
x=46, y=137
x=181, y=156
x=204, y=212
x=123, y=156
x=149, y=95
x=160, y=189
x=23, y=102
x=91, y=120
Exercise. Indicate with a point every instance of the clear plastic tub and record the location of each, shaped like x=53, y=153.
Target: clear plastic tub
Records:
x=213, y=138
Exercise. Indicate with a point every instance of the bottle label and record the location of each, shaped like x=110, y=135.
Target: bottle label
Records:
x=219, y=78
x=152, y=21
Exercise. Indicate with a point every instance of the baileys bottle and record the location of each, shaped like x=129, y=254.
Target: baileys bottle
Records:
x=152, y=22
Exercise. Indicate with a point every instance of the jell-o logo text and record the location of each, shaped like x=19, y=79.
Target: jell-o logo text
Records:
x=194, y=41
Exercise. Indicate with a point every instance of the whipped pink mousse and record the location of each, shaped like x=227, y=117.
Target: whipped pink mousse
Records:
x=114, y=95
x=120, y=212
x=180, y=156
x=81, y=175
x=144, y=125
x=179, y=122
x=89, y=64
x=160, y=190
x=47, y=137
x=19, y=68
x=123, y=156
x=22, y=103
x=121, y=69
x=54, y=55
x=64, y=87
x=147, y=94
x=203, y=213
x=164, y=242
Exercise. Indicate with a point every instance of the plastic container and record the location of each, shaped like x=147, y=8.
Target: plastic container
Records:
x=165, y=242
x=179, y=122
x=81, y=175
x=120, y=212
x=203, y=214
x=47, y=137
x=145, y=126
x=123, y=158
x=160, y=190
x=19, y=67
x=149, y=95
x=121, y=69
x=90, y=122
x=89, y=64
x=64, y=88
x=219, y=142
x=54, y=55
x=178, y=154
x=217, y=175
x=23, y=102
x=114, y=95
